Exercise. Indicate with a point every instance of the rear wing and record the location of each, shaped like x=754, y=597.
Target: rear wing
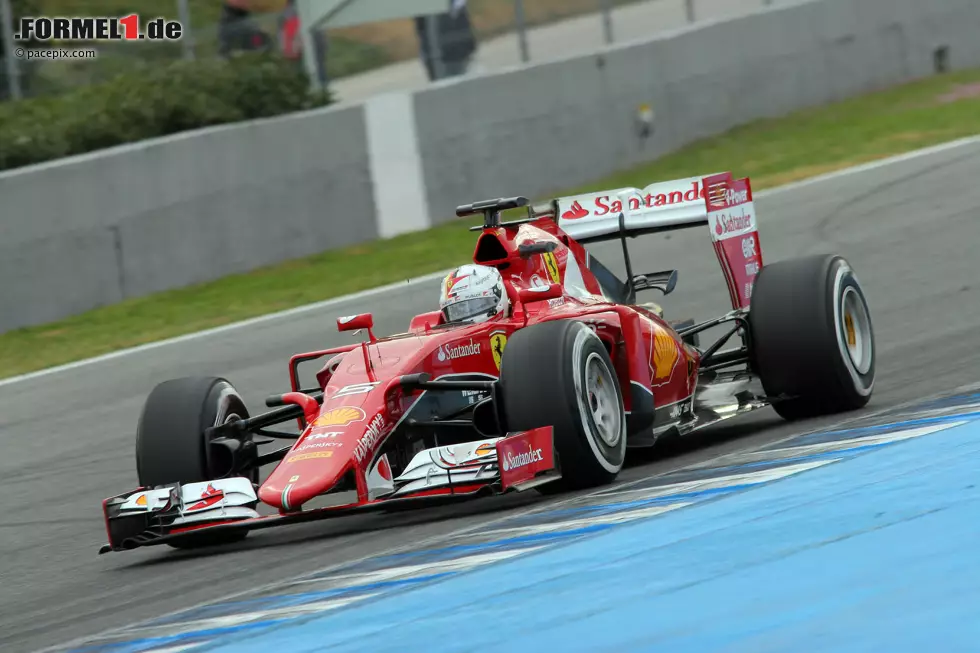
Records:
x=662, y=206
x=718, y=201
x=734, y=234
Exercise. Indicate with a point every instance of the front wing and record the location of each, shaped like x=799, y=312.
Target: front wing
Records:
x=168, y=514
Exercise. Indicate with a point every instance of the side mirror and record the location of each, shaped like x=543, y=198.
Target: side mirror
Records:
x=356, y=323
x=527, y=250
x=540, y=293
x=426, y=321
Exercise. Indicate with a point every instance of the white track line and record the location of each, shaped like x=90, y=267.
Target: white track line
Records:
x=188, y=337
x=445, y=539
x=299, y=310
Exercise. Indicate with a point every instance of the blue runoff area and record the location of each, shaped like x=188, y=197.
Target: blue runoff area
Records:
x=874, y=553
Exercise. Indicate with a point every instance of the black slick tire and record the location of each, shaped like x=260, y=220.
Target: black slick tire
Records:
x=812, y=337
x=545, y=374
x=170, y=439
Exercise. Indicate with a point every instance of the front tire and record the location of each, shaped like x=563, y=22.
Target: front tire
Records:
x=171, y=446
x=559, y=374
x=812, y=337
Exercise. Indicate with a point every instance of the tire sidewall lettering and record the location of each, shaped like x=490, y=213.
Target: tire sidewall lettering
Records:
x=843, y=279
x=583, y=337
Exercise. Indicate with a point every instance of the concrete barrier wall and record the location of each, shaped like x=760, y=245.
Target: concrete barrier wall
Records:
x=92, y=230
x=550, y=127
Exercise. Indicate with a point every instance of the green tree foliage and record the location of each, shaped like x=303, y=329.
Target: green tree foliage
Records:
x=161, y=100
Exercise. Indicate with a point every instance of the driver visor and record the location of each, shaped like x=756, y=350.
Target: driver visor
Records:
x=469, y=308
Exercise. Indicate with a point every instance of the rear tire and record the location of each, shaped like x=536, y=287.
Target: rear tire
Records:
x=812, y=337
x=559, y=374
x=171, y=445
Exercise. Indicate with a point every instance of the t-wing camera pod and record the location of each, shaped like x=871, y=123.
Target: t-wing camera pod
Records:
x=491, y=211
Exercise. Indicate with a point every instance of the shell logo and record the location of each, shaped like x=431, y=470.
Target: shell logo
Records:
x=665, y=355
x=310, y=456
x=485, y=449
x=343, y=416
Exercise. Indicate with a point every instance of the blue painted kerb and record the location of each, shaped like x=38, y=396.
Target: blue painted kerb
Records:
x=876, y=553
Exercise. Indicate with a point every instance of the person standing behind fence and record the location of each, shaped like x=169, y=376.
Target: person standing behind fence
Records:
x=291, y=41
x=237, y=32
x=455, y=44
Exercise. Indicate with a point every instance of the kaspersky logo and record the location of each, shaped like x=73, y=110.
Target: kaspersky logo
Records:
x=512, y=462
x=460, y=351
x=372, y=435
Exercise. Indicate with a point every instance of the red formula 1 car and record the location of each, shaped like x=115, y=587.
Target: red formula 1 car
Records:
x=549, y=394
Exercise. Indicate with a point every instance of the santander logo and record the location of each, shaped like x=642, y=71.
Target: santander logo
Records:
x=574, y=212
x=732, y=223
x=603, y=205
x=460, y=351
x=521, y=459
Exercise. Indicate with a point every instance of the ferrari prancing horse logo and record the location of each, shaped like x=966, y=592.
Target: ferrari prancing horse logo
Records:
x=497, y=343
x=551, y=263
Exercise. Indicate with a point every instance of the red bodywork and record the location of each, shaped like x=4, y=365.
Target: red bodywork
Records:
x=352, y=440
x=363, y=400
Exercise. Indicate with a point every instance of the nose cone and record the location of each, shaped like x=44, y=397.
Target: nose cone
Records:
x=315, y=465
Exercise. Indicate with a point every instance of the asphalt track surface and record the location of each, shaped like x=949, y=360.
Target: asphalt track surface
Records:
x=911, y=230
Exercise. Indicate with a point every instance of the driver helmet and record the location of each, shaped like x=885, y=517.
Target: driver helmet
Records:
x=472, y=294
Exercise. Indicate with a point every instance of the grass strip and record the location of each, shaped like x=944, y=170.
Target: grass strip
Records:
x=772, y=152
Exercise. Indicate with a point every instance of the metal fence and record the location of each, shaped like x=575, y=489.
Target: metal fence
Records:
x=362, y=60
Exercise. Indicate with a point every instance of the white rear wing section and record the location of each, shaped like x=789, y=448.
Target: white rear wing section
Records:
x=658, y=207
x=718, y=201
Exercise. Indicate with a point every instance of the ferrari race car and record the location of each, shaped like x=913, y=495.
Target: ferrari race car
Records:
x=548, y=395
